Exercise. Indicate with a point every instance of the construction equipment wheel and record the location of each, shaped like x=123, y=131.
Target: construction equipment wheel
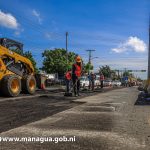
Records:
x=11, y=85
x=29, y=84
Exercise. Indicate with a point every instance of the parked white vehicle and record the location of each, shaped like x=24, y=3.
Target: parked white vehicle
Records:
x=107, y=83
x=97, y=80
x=116, y=83
x=84, y=82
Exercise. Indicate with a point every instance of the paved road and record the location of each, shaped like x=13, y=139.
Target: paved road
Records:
x=18, y=111
x=108, y=121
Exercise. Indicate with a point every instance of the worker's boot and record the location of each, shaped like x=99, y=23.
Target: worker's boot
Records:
x=78, y=94
x=75, y=94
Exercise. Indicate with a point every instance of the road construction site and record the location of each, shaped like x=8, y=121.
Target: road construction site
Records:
x=109, y=119
x=74, y=75
x=18, y=111
x=100, y=110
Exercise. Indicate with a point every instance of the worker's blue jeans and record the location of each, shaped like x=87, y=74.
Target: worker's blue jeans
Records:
x=68, y=85
x=76, y=85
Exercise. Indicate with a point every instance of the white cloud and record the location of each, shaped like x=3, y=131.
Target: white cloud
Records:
x=8, y=20
x=37, y=15
x=48, y=36
x=18, y=31
x=132, y=43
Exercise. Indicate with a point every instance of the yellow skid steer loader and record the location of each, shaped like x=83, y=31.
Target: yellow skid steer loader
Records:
x=16, y=71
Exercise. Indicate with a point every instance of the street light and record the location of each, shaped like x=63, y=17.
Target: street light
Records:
x=94, y=58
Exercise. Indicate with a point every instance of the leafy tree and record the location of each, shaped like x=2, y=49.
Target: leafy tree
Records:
x=55, y=60
x=106, y=70
x=114, y=76
x=139, y=79
x=87, y=67
x=29, y=55
x=126, y=73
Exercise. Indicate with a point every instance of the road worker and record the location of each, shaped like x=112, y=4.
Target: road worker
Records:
x=68, y=79
x=92, y=80
x=102, y=79
x=76, y=74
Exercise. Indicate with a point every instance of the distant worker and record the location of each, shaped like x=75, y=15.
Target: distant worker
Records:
x=76, y=74
x=92, y=80
x=126, y=81
x=102, y=80
x=68, y=80
x=89, y=78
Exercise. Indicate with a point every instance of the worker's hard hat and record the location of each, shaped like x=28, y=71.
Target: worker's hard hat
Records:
x=78, y=59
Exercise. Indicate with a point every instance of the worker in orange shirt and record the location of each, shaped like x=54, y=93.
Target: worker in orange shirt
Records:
x=68, y=80
x=76, y=74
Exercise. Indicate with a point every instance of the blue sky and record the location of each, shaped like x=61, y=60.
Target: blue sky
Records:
x=116, y=29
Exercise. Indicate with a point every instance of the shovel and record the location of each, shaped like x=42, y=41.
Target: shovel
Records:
x=69, y=94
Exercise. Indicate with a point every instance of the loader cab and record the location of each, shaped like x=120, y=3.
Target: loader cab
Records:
x=15, y=67
x=12, y=45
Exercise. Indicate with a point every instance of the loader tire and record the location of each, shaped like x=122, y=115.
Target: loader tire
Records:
x=11, y=85
x=29, y=84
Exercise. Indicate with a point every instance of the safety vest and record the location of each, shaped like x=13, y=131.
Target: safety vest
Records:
x=101, y=77
x=78, y=70
x=68, y=75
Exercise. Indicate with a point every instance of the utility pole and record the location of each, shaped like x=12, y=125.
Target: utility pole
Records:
x=90, y=56
x=67, y=49
x=148, y=76
x=118, y=74
x=125, y=71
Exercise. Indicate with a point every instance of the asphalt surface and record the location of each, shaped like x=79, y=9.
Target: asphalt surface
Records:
x=18, y=111
x=114, y=120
